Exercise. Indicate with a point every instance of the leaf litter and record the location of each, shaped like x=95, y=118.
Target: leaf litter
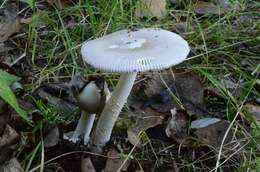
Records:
x=9, y=22
x=86, y=165
x=52, y=138
x=212, y=132
x=203, y=7
x=12, y=165
x=116, y=164
x=9, y=140
x=185, y=91
x=144, y=118
x=157, y=107
x=177, y=127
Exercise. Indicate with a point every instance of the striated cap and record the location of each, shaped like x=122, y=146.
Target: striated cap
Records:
x=138, y=50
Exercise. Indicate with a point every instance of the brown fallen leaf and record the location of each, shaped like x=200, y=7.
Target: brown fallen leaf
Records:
x=11, y=166
x=151, y=8
x=177, y=128
x=7, y=140
x=203, y=7
x=60, y=4
x=211, y=131
x=113, y=164
x=86, y=165
x=9, y=137
x=9, y=22
x=145, y=118
x=185, y=86
x=52, y=138
x=5, y=116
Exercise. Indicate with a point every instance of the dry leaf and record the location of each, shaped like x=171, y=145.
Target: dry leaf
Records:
x=9, y=137
x=202, y=7
x=151, y=8
x=213, y=132
x=60, y=4
x=177, y=127
x=7, y=140
x=145, y=118
x=186, y=86
x=52, y=138
x=9, y=22
x=113, y=164
x=5, y=116
x=11, y=166
x=86, y=165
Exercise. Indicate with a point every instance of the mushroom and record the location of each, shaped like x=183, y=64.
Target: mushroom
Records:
x=129, y=52
x=91, y=99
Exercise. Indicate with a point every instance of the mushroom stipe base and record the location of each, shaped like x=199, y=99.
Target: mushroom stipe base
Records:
x=112, y=109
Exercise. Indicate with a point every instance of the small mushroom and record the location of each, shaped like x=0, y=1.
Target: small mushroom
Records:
x=91, y=101
x=129, y=52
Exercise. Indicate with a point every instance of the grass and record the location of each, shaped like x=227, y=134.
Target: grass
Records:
x=223, y=47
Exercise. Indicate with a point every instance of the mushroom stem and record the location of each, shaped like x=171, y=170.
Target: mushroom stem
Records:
x=112, y=109
x=84, y=125
x=89, y=125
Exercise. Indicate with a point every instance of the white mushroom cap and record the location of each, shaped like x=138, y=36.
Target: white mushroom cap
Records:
x=139, y=50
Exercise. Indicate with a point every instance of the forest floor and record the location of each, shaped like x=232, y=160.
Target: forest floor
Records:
x=201, y=115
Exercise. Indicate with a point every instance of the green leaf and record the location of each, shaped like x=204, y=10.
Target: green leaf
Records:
x=8, y=78
x=7, y=95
